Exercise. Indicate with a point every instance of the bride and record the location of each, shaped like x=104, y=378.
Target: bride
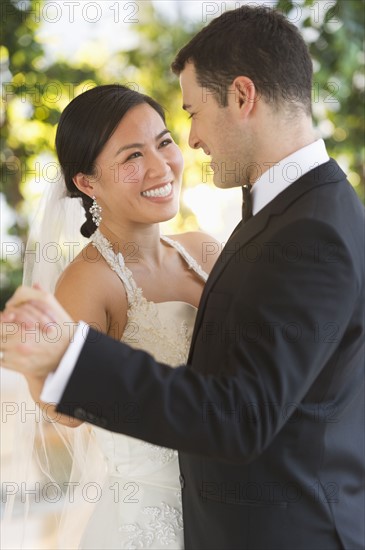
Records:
x=134, y=284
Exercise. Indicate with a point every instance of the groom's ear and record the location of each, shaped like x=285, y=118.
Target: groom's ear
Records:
x=84, y=184
x=245, y=94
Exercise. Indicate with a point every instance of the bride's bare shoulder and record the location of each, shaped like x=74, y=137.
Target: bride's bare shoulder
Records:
x=204, y=248
x=85, y=267
x=90, y=275
x=90, y=290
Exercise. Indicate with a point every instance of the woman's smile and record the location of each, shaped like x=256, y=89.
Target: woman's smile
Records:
x=158, y=192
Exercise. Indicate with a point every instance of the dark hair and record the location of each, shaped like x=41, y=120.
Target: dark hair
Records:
x=259, y=43
x=85, y=126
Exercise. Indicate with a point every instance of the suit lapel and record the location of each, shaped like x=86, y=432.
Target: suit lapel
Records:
x=325, y=174
x=240, y=236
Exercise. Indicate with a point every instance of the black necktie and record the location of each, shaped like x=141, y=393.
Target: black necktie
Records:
x=246, y=202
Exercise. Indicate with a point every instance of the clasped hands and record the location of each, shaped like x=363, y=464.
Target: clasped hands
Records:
x=35, y=332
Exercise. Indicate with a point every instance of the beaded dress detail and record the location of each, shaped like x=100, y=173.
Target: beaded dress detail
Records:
x=140, y=504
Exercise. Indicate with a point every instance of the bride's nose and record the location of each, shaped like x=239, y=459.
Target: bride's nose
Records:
x=158, y=165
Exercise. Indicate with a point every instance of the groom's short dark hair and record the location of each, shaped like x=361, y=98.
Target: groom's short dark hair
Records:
x=257, y=42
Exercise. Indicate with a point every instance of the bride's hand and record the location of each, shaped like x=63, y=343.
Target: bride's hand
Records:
x=44, y=301
x=35, y=332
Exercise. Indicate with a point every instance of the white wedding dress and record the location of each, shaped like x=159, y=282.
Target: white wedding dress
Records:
x=140, y=504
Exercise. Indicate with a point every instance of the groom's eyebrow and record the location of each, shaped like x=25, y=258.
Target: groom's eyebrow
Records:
x=140, y=145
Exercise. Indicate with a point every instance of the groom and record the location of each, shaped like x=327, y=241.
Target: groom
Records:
x=268, y=415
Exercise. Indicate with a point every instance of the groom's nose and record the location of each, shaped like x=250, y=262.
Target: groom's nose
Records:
x=193, y=139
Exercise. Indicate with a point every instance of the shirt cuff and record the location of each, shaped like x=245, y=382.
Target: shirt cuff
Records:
x=57, y=381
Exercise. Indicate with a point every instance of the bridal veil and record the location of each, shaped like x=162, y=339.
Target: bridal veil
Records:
x=70, y=466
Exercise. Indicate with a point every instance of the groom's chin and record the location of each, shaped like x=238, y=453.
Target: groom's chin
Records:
x=224, y=179
x=226, y=184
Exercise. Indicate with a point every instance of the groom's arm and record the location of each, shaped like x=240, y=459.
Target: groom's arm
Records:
x=126, y=391
x=56, y=381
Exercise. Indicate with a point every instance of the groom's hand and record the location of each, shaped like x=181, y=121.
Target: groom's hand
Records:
x=35, y=332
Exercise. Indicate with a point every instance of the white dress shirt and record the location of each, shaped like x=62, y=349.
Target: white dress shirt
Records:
x=287, y=171
x=266, y=188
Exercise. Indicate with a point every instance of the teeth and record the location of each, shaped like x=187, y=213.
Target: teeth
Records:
x=159, y=192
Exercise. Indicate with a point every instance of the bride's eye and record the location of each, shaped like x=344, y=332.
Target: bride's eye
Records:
x=165, y=142
x=134, y=156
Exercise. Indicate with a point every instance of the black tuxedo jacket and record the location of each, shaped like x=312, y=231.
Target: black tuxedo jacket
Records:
x=268, y=415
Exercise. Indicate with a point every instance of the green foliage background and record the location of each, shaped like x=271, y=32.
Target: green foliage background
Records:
x=34, y=93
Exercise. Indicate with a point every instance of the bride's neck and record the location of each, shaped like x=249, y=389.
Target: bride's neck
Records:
x=136, y=244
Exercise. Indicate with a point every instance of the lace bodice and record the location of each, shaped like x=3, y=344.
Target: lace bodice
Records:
x=147, y=512
x=163, y=329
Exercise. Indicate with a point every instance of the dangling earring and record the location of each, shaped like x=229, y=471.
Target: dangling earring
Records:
x=95, y=211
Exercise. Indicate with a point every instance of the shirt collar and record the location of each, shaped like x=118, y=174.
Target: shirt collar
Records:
x=284, y=173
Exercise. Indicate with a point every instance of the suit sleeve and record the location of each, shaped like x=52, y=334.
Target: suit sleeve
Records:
x=304, y=296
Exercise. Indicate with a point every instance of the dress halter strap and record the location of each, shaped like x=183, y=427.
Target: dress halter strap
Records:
x=116, y=262
x=192, y=263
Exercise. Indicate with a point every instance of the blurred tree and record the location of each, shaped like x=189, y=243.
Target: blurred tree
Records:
x=35, y=92
x=29, y=112
x=334, y=31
